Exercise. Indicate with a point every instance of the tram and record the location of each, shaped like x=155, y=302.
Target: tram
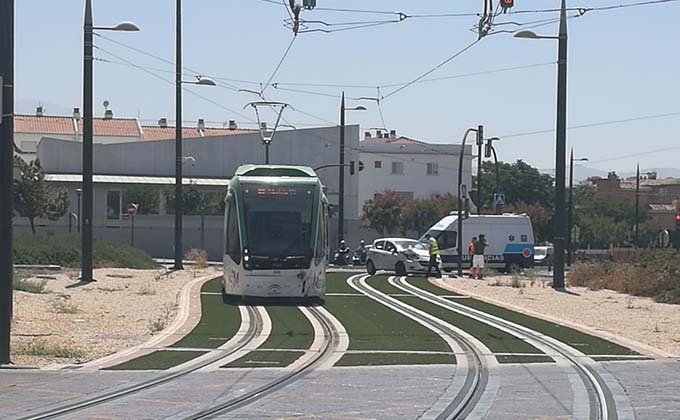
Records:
x=276, y=233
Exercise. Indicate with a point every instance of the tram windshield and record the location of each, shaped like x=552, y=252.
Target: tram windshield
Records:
x=278, y=221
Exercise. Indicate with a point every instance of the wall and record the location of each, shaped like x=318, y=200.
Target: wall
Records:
x=415, y=178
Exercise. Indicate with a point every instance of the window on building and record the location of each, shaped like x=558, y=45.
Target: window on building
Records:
x=433, y=168
x=397, y=168
x=378, y=164
x=113, y=205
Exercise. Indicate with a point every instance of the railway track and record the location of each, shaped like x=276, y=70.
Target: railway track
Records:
x=477, y=373
x=331, y=339
x=254, y=329
x=601, y=400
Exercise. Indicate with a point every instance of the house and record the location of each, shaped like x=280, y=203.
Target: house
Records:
x=410, y=168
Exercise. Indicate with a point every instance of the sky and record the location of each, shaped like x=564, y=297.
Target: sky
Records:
x=623, y=64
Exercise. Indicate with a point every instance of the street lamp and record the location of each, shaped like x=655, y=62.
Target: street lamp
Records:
x=88, y=194
x=560, y=143
x=201, y=81
x=571, y=204
x=341, y=167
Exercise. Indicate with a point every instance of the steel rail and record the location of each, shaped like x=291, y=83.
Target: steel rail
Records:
x=254, y=329
x=330, y=342
x=602, y=407
x=462, y=405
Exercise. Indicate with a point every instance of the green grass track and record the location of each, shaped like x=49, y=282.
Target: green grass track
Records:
x=290, y=328
x=585, y=343
x=219, y=321
x=384, y=359
x=337, y=283
x=158, y=360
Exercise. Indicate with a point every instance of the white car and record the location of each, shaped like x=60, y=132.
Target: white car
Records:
x=400, y=255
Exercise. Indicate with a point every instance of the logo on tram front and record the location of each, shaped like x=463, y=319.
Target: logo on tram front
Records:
x=234, y=278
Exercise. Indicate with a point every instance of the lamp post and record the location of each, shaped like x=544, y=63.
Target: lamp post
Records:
x=570, y=221
x=459, y=234
x=341, y=170
x=88, y=193
x=6, y=173
x=179, y=159
x=204, y=81
x=560, y=143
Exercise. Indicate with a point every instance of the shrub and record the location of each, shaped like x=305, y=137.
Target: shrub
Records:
x=198, y=256
x=649, y=273
x=64, y=250
x=30, y=286
x=64, y=307
x=43, y=349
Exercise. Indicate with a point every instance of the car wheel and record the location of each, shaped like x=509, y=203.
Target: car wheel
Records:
x=400, y=268
x=513, y=268
x=448, y=270
x=370, y=267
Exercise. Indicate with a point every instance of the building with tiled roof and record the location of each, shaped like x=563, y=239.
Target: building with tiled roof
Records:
x=410, y=168
x=30, y=129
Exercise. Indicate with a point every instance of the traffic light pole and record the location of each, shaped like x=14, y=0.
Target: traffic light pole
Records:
x=6, y=173
x=459, y=239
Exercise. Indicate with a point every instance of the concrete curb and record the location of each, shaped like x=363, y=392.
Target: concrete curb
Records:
x=188, y=316
x=615, y=338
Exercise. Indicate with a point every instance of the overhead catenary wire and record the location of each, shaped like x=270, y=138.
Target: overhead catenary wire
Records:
x=433, y=69
x=189, y=91
x=278, y=66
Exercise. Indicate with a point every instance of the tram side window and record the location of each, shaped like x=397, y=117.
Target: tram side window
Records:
x=320, y=252
x=233, y=240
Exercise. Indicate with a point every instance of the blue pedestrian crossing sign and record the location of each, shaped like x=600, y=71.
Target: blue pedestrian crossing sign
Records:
x=498, y=200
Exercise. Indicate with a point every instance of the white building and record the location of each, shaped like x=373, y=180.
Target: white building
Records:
x=410, y=168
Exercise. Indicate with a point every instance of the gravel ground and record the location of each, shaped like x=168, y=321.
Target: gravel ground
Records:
x=67, y=324
x=636, y=318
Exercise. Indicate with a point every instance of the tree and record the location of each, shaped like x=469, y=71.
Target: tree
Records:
x=34, y=197
x=383, y=213
x=520, y=182
x=603, y=223
x=419, y=215
x=540, y=218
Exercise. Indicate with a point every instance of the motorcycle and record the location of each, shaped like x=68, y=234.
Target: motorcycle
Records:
x=342, y=257
x=360, y=255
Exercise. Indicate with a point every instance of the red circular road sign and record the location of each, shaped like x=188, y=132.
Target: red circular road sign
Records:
x=132, y=209
x=526, y=252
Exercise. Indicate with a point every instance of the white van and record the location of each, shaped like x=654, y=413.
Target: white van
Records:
x=510, y=238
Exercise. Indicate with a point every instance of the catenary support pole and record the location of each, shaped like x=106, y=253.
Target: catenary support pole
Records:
x=87, y=234
x=637, y=206
x=6, y=173
x=178, y=138
x=341, y=174
x=560, y=149
x=459, y=234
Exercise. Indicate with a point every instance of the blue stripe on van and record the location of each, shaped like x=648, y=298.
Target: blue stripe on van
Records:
x=518, y=248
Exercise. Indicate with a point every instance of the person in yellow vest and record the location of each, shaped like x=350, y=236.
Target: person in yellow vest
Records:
x=433, y=247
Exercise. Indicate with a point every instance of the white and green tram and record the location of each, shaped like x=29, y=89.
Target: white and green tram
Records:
x=276, y=233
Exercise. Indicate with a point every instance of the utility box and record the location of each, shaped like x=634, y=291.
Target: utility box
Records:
x=309, y=4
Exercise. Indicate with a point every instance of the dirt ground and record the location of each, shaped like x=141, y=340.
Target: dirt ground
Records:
x=71, y=323
x=635, y=318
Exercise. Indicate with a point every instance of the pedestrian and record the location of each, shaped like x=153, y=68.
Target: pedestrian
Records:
x=478, y=259
x=433, y=247
x=471, y=251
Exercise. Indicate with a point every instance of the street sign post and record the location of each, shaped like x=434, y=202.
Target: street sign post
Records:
x=498, y=200
x=132, y=212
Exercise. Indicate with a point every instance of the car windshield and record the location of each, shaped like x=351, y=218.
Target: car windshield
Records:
x=278, y=219
x=410, y=244
x=540, y=252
